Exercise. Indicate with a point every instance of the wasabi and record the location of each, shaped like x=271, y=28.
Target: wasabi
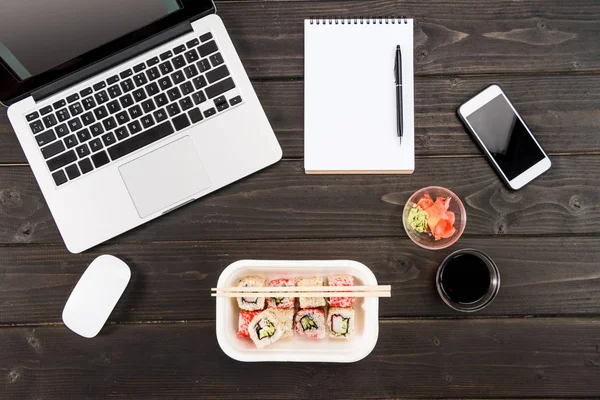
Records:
x=417, y=218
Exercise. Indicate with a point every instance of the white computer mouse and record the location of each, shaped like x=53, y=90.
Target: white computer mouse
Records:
x=95, y=295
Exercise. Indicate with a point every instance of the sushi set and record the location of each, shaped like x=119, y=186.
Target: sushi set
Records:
x=298, y=310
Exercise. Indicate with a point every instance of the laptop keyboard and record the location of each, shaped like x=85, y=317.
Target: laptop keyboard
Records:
x=133, y=109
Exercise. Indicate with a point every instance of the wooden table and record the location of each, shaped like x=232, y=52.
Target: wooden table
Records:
x=540, y=337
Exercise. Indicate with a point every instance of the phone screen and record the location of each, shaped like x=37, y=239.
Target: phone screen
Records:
x=505, y=137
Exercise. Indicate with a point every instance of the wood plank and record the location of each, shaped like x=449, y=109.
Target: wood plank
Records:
x=172, y=281
x=457, y=358
x=451, y=37
x=282, y=202
x=563, y=111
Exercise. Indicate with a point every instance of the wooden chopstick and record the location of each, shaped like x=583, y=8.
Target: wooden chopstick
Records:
x=287, y=289
x=309, y=294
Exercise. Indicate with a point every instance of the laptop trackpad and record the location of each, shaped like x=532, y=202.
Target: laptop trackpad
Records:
x=166, y=177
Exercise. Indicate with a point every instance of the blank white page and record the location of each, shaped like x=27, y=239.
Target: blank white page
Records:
x=350, y=97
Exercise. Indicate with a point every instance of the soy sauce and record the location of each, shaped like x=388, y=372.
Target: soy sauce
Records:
x=466, y=278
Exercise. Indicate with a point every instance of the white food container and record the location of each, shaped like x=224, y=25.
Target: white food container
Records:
x=299, y=348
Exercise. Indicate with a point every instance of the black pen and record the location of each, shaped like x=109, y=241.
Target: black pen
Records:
x=398, y=73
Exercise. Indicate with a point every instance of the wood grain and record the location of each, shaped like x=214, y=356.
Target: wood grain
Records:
x=172, y=281
x=451, y=37
x=282, y=202
x=413, y=358
x=562, y=111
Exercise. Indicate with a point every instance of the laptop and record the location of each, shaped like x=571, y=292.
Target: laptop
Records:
x=127, y=110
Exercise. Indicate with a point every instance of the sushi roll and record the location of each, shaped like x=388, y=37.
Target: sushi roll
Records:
x=340, y=322
x=281, y=302
x=311, y=302
x=311, y=322
x=252, y=303
x=265, y=329
x=286, y=319
x=341, y=280
x=245, y=318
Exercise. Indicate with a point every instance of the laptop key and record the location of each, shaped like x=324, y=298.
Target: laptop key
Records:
x=190, y=71
x=135, y=112
x=210, y=112
x=205, y=37
x=46, y=110
x=153, y=134
x=61, y=130
x=44, y=138
x=140, y=80
x=173, y=94
x=179, y=49
x=195, y=115
x=109, y=139
x=203, y=65
x=126, y=73
x=100, y=159
x=86, y=92
x=84, y=135
x=83, y=150
x=161, y=100
x=87, y=118
x=113, y=79
x=235, y=100
x=221, y=103
x=180, y=122
x=192, y=43
x=165, y=68
x=173, y=109
x=152, y=61
x=148, y=106
x=53, y=149
x=160, y=115
x=127, y=85
x=199, y=82
x=153, y=73
x=101, y=97
x=199, y=97
x=96, y=129
x=72, y=171
x=114, y=91
x=152, y=89
x=85, y=166
x=30, y=117
x=165, y=55
x=216, y=59
x=139, y=67
x=191, y=56
x=147, y=121
x=113, y=106
x=122, y=118
x=49, y=121
x=220, y=88
x=88, y=103
x=177, y=77
x=99, y=86
x=109, y=123
x=59, y=104
x=62, y=160
x=139, y=94
x=75, y=124
x=208, y=48
x=217, y=74
x=186, y=103
x=96, y=145
x=36, y=127
x=70, y=141
x=73, y=97
x=75, y=109
x=59, y=178
x=178, y=62
x=186, y=88
x=121, y=133
x=126, y=101
x=165, y=83
x=100, y=112
x=134, y=127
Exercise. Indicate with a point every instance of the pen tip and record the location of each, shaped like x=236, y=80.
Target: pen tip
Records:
x=398, y=47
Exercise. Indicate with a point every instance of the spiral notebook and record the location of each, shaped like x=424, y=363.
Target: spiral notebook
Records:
x=350, y=97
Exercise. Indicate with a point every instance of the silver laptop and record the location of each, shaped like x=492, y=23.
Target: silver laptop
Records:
x=127, y=110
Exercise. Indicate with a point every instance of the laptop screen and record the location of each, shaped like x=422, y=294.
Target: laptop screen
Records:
x=37, y=36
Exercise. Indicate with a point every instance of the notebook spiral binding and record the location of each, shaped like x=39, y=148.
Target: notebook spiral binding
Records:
x=358, y=20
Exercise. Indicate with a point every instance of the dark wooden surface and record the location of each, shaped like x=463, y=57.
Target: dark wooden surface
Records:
x=540, y=338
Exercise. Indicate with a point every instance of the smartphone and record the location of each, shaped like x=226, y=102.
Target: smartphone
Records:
x=503, y=136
